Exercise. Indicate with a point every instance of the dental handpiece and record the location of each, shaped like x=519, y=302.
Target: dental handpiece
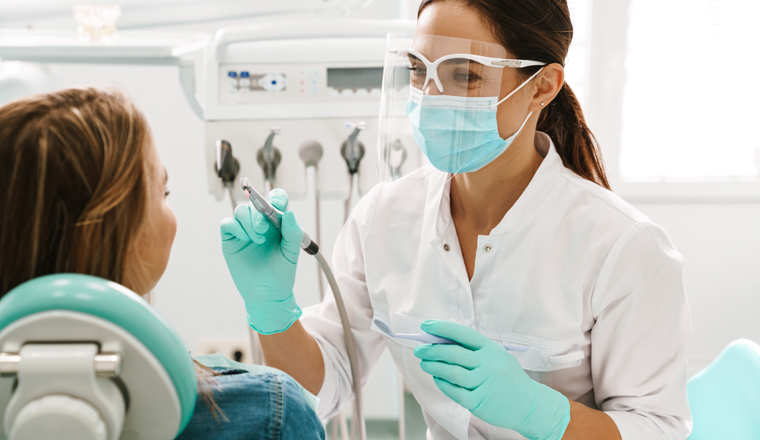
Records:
x=274, y=215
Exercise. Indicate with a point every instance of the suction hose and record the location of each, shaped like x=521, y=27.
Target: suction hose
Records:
x=350, y=346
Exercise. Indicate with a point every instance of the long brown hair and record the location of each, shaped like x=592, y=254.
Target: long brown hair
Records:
x=541, y=30
x=73, y=190
x=72, y=184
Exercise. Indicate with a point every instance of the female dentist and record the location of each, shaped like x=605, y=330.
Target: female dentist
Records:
x=513, y=237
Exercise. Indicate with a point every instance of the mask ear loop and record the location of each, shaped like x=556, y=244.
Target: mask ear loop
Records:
x=518, y=88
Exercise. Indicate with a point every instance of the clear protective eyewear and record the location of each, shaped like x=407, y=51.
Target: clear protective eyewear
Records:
x=459, y=74
x=463, y=74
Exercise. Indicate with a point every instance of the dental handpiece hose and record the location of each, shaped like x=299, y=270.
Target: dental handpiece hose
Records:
x=309, y=246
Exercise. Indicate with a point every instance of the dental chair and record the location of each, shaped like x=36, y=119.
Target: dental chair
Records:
x=725, y=396
x=87, y=359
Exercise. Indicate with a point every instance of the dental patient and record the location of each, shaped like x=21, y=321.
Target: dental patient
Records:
x=83, y=190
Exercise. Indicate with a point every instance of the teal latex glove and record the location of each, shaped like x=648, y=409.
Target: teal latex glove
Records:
x=262, y=262
x=488, y=381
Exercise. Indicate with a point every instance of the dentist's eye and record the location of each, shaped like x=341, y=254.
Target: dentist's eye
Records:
x=417, y=70
x=466, y=76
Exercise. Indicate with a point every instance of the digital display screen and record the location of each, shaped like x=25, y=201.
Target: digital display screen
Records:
x=355, y=78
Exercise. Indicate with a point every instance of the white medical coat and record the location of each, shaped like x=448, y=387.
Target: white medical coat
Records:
x=590, y=284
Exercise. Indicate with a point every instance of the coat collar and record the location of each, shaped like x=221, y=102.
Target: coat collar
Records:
x=542, y=184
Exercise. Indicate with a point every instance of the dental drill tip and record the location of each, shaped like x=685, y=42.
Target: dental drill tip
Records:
x=244, y=183
x=276, y=130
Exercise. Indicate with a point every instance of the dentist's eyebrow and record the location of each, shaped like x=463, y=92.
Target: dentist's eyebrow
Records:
x=457, y=61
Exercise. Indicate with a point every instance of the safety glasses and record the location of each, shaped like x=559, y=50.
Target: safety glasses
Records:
x=459, y=74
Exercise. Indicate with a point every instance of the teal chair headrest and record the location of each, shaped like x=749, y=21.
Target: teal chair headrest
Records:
x=725, y=397
x=117, y=304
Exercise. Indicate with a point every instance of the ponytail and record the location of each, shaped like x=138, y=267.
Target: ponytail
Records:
x=563, y=121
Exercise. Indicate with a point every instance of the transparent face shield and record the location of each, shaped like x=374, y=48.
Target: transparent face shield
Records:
x=440, y=94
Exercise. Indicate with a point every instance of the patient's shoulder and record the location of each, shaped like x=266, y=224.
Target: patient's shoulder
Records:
x=247, y=404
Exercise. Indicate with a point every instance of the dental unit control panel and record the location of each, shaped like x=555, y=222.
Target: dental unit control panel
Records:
x=298, y=83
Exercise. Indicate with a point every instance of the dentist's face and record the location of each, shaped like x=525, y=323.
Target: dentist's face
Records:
x=148, y=261
x=456, y=19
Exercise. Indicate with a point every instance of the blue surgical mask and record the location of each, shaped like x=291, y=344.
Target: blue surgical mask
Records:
x=458, y=134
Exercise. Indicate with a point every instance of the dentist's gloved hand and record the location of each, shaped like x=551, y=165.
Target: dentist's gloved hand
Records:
x=262, y=262
x=488, y=381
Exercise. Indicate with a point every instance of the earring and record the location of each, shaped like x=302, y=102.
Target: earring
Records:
x=542, y=104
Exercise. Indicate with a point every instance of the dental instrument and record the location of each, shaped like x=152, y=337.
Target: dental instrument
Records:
x=274, y=215
x=227, y=167
x=353, y=152
x=397, y=158
x=431, y=339
x=269, y=157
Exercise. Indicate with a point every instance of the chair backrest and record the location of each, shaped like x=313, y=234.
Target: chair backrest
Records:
x=50, y=313
x=725, y=396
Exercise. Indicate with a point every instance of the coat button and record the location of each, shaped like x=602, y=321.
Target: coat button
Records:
x=487, y=248
x=446, y=247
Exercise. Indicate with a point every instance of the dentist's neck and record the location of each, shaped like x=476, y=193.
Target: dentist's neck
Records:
x=482, y=199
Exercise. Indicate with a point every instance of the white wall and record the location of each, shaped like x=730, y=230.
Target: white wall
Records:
x=721, y=248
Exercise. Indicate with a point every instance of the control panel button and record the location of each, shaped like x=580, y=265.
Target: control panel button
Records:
x=314, y=91
x=362, y=92
x=273, y=82
x=245, y=82
x=347, y=92
x=331, y=91
x=244, y=74
x=232, y=82
x=232, y=74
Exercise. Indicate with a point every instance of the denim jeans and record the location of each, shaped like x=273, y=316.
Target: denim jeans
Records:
x=267, y=405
